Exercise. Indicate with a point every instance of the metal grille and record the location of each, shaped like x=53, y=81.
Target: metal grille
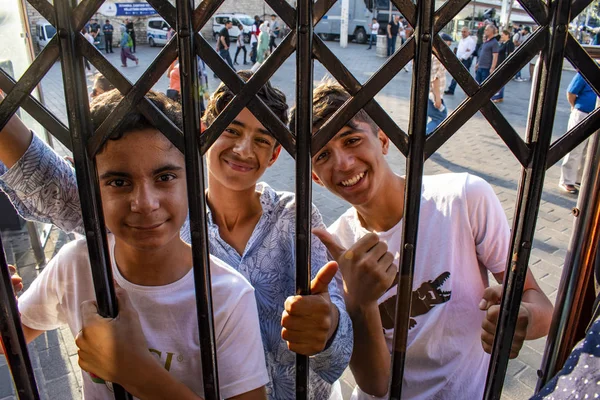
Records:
x=536, y=153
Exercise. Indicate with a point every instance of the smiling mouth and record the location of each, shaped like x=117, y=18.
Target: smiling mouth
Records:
x=353, y=181
x=239, y=167
x=146, y=227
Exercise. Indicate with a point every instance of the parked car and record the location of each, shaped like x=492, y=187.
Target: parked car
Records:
x=44, y=32
x=156, y=31
x=237, y=18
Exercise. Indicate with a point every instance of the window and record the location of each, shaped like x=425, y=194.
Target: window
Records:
x=50, y=31
x=221, y=20
x=155, y=24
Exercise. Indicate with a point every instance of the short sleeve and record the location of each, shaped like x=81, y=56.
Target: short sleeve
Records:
x=576, y=85
x=241, y=358
x=495, y=47
x=488, y=223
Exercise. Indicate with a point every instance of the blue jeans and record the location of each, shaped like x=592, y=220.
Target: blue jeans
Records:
x=227, y=57
x=436, y=116
x=499, y=95
x=518, y=75
x=372, y=39
x=482, y=74
x=391, y=48
x=467, y=64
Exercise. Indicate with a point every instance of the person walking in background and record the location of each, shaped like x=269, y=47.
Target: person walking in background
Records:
x=224, y=42
x=374, y=31
x=465, y=53
x=90, y=39
x=108, y=29
x=126, y=45
x=262, y=50
x=273, y=32
x=488, y=55
x=518, y=39
x=506, y=48
x=436, y=109
x=241, y=46
x=582, y=99
x=392, y=35
x=131, y=32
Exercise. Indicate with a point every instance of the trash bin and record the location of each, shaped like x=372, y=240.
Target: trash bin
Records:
x=381, y=49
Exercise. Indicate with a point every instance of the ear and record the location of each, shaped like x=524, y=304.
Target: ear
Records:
x=275, y=155
x=385, y=141
x=316, y=179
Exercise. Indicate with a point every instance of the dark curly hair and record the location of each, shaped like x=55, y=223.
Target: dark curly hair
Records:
x=104, y=104
x=271, y=96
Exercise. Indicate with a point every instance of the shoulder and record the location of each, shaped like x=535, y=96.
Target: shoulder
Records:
x=453, y=185
x=344, y=227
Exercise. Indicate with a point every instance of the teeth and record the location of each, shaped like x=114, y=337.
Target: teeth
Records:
x=353, y=181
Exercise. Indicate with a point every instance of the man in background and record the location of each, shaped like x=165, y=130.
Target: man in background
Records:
x=274, y=29
x=488, y=55
x=108, y=29
x=464, y=52
x=374, y=31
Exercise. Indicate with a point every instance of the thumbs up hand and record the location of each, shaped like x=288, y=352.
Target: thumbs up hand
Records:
x=309, y=321
x=367, y=268
x=490, y=303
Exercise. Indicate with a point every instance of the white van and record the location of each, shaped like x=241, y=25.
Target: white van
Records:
x=236, y=18
x=156, y=31
x=44, y=32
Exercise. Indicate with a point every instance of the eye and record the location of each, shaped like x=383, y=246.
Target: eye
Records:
x=167, y=177
x=353, y=140
x=321, y=156
x=117, y=183
x=263, y=141
x=231, y=131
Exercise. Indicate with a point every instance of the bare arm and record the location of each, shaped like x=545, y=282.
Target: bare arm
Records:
x=571, y=98
x=256, y=394
x=436, y=90
x=494, y=62
x=222, y=39
x=29, y=333
x=389, y=30
x=15, y=139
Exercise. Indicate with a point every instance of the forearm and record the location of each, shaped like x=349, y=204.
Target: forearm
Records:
x=571, y=98
x=15, y=139
x=540, y=313
x=157, y=383
x=370, y=362
x=494, y=62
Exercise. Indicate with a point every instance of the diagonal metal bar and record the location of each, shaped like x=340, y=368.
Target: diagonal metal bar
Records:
x=244, y=96
x=470, y=106
x=407, y=9
x=134, y=96
x=166, y=10
x=197, y=200
x=13, y=341
x=412, y=193
x=273, y=124
x=29, y=80
x=573, y=138
x=529, y=195
x=146, y=107
x=578, y=6
x=45, y=8
x=382, y=77
x=39, y=112
x=286, y=12
x=537, y=9
x=353, y=86
x=204, y=13
x=320, y=9
x=489, y=110
x=584, y=63
x=83, y=12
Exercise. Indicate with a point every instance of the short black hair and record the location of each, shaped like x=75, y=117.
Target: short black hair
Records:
x=274, y=15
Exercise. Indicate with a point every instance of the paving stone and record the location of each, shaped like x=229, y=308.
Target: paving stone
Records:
x=47, y=340
x=515, y=389
x=65, y=388
x=529, y=377
x=55, y=363
x=6, y=382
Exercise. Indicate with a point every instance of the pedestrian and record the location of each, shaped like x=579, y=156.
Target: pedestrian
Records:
x=374, y=32
x=170, y=33
x=518, y=39
x=436, y=109
x=126, y=45
x=488, y=55
x=506, y=48
x=108, y=29
x=262, y=50
x=90, y=39
x=224, y=42
x=131, y=32
x=465, y=52
x=240, y=46
x=582, y=99
x=402, y=34
x=392, y=35
x=174, y=90
x=274, y=29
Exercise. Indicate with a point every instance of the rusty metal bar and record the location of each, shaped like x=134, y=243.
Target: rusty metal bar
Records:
x=571, y=139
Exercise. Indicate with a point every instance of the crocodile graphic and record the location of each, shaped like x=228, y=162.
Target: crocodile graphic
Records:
x=427, y=296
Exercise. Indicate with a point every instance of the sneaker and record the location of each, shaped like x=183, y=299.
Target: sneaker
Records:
x=497, y=100
x=568, y=188
x=519, y=80
x=137, y=61
x=449, y=92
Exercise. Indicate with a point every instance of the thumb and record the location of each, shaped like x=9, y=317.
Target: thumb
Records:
x=324, y=277
x=89, y=313
x=123, y=301
x=333, y=246
x=491, y=296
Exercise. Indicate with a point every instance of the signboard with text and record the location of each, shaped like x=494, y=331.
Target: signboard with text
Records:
x=123, y=9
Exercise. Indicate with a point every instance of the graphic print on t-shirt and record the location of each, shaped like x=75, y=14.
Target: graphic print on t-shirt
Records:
x=427, y=296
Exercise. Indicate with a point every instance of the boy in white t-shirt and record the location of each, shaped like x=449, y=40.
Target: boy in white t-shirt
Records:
x=463, y=234
x=152, y=347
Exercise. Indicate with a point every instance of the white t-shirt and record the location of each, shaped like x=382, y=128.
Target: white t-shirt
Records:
x=375, y=28
x=463, y=233
x=167, y=316
x=89, y=38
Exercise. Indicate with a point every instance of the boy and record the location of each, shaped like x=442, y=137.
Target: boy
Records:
x=463, y=235
x=250, y=226
x=144, y=200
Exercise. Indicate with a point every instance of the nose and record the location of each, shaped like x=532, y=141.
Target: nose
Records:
x=144, y=199
x=343, y=161
x=243, y=147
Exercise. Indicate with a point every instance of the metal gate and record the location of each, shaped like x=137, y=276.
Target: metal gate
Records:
x=536, y=153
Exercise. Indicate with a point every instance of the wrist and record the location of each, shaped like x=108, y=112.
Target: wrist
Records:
x=356, y=309
x=141, y=385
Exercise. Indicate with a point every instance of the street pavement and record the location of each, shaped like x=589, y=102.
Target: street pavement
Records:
x=475, y=148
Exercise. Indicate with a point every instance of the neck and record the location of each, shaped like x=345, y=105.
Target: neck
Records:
x=386, y=208
x=231, y=208
x=156, y=267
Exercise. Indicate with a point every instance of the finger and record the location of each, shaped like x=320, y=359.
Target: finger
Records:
x=487, y=339
x=489, y=326
x=378, y=251
x=17, y=283
x=387, y=260
x=365, y=243
x=89, y=313
x=325, y=275
x=330, y=242
x=491, y=296
x=12, y=269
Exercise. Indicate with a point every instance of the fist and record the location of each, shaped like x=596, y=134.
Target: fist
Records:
x=17, y=282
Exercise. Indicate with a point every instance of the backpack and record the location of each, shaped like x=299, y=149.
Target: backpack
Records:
x=129, y=41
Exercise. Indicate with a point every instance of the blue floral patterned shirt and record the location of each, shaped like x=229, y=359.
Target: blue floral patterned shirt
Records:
x=43, y=187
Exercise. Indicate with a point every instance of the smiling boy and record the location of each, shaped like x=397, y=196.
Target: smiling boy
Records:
x=144, y=202
x=462, y=235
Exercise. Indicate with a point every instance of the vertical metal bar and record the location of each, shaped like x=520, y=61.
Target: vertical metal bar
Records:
x=539, y=136
x=579, y=265
x=78, y=113
x=412, y=195
x=13, y=340
x=36, y=243
x=188, y=67
x=304, y=87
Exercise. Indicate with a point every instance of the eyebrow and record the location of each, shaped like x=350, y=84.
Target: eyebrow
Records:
x=261, y=130
x=120, y=174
